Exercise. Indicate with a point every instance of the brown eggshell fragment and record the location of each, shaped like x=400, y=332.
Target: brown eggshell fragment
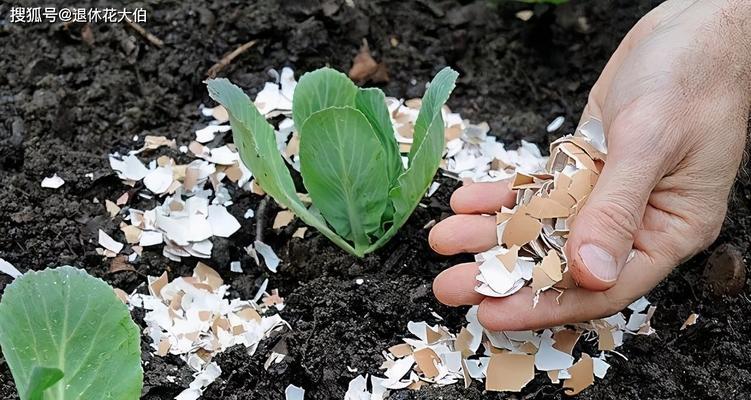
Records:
x=582, y=376
x=400, y=350
x=426, y=360
x=606, y=341
x=521, y=229
x=541, y=208
x=208, y=276
x=565, y=340
x=509, y=372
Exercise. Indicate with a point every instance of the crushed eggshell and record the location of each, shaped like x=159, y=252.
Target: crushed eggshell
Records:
x=509, y=372
x=293, y=392
x=53, y=182
x=547, y=200
x=112, y=208
x=8, y=269
x=582, y=376
x=236, y=266
x=201, y=380
x=283, y=218
x=119, y=264
x=269, y=257
x=432, y=189
x=507, y=359
x=191, y=317
x=691, y=320
x=427, y=361
x=524, y=15
x=121, y=295
x=223, y=224
x=153, y=143
x=108, y=243
x=555, y=124
x=207, y=134
x=129, y=168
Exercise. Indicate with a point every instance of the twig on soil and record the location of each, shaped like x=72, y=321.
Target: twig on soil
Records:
x=226, y=382
x=70, y=248
x=690, y=287
x=22, y=191
x=66, y=243
x=227, y=59
x=531, y=85
x=260, y=217
x=146, y=35
x=138, y=80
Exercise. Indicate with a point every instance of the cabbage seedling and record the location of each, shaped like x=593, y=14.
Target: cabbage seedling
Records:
x=349, y=159
x=66, y=335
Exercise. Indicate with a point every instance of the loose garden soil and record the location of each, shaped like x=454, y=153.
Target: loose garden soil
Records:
x=66, y=104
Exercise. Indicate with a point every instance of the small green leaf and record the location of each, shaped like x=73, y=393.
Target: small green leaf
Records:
x=63, y=321
x=322, y=88
x=342, y=164
x=255, y=140
x=41, y=380
x=256, y=143
x=426, y=124
x=372, y=103
x=427, y=148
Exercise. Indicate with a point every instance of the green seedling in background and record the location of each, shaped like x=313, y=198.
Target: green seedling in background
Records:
x=66, y=335
x=349, y=158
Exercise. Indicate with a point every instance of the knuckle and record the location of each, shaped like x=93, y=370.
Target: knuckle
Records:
x=641, y=134
x=613, y=304
x=708, y=230
x=618, y=216
x=486, y=317
x=616, y=305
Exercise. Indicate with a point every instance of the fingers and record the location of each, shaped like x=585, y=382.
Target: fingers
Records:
x=463, y=234
x=456, y=285
x=471, y=233
x=516, y=313
x=482, y=198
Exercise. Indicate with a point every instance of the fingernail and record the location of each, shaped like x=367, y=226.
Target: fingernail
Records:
x=599, y=262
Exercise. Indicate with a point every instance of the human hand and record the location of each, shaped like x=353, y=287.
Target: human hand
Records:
x=674, y=101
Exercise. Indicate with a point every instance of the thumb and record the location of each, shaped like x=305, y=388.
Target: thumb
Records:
x=602, y=234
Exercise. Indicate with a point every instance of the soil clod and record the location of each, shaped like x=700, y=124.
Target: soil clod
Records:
x=725, y=271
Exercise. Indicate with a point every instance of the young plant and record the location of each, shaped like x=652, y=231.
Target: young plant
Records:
x=66, y=335
x=349, y=158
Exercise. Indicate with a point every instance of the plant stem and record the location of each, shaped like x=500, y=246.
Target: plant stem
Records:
x=260, y=218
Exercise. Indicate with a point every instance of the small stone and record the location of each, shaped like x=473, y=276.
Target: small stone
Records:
x=725, y=271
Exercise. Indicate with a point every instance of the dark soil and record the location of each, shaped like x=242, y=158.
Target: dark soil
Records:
x=66, y=104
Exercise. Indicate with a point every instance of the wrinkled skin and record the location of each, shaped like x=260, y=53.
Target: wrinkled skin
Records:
x=674, y=101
